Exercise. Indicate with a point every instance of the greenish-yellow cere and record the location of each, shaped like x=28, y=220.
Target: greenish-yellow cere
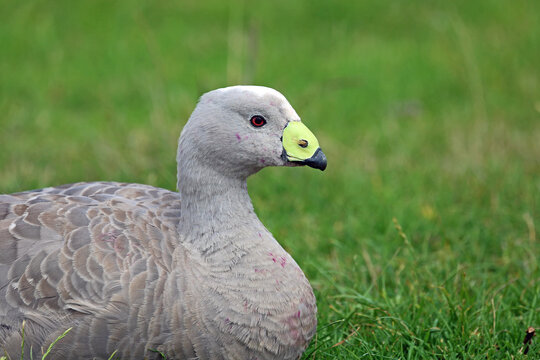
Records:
x=295, y=136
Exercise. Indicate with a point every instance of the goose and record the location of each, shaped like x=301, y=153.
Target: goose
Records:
x=143, y=272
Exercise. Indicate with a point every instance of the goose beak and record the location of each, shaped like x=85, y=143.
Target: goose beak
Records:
x=301, y=147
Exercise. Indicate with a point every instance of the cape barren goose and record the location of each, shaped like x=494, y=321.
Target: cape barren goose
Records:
x=137, y=269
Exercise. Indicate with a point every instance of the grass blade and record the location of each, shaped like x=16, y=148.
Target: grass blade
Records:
x=54, y=342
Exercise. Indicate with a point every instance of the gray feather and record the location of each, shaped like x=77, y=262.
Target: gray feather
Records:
x=131, y=267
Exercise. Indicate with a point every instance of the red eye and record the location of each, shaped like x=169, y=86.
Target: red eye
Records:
x=257, y=121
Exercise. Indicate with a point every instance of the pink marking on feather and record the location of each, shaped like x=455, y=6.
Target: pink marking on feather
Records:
x=293, y=324
x=111, y=237
x=238, y=137
x=281, y=260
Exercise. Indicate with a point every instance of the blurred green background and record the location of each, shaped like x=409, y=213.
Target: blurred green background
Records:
x=421, y=237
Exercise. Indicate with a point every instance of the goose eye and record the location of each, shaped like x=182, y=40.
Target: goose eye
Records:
x=257, y=121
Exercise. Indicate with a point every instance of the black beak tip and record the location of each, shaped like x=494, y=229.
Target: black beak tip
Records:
x=317, y=161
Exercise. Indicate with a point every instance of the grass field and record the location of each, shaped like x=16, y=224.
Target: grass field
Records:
x=421, y=239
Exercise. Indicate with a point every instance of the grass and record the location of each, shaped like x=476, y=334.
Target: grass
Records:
x=421, y=238
x=45, y=354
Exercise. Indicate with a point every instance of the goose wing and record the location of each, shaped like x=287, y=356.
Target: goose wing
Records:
x=82, y=251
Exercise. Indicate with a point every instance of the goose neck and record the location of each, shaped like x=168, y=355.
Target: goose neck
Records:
x=212, y=202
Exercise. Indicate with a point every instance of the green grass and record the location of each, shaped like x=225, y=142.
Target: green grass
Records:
x=31, y=350
x=421, y=238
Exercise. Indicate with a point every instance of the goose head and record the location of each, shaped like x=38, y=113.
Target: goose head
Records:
x=239, y=130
